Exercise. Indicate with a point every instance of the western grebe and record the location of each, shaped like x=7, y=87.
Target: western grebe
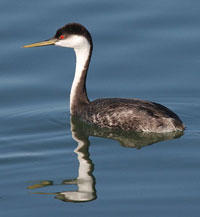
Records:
x=116, y=113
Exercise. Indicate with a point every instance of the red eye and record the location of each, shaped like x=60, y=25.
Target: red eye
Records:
x=62, y=37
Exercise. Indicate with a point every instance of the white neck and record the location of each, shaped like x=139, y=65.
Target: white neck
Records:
x=82, y=55
x=82, y=50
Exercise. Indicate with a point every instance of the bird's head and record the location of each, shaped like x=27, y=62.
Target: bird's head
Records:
x=72, y=35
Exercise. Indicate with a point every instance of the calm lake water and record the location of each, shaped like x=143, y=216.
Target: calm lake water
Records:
x=144, y=49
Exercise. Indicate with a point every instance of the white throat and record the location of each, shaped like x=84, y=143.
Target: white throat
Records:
x=82, y=55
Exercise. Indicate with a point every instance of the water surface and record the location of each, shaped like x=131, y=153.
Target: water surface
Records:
x=142, y=49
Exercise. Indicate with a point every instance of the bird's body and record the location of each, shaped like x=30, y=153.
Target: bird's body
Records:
x=117, y=113
x=131, y=114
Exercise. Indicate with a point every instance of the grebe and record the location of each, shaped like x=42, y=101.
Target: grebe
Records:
x=115, y=113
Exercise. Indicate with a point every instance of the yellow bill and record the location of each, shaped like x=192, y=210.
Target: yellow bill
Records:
x=41, y=43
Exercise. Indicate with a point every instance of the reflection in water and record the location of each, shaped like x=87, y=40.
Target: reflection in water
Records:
x=125, y=138
x=85, y=181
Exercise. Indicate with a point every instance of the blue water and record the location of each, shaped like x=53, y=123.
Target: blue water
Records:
x=144, y=49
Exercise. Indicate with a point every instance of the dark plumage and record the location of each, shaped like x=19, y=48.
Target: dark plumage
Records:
x=130, y=114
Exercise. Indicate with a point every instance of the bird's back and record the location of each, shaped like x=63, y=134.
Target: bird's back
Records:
x=132, y=114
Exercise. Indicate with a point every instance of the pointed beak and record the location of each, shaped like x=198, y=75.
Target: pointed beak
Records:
x=42, y=43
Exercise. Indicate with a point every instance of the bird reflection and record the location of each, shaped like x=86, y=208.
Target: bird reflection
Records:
x=85, y=181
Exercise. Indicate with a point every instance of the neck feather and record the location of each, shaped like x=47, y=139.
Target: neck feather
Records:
x=78, y=95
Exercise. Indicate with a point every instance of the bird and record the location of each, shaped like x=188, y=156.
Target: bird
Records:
x=127, y=114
